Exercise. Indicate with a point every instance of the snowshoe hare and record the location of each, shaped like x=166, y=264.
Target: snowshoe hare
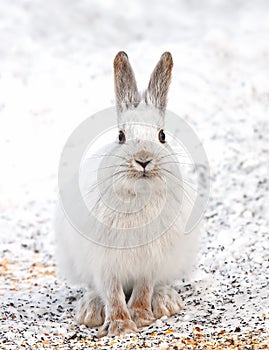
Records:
x=140, y=245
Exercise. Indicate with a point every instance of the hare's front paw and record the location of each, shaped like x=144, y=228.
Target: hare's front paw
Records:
x=141, y=317
x=165, y=302
x=117, y=327
x=90, y=310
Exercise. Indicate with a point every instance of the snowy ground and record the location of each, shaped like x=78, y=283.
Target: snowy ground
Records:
x=55, y=70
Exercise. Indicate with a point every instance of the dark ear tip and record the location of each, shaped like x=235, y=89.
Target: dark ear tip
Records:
x=167, y=57
x=120, y=58
x=121, y=55
x=167, y=54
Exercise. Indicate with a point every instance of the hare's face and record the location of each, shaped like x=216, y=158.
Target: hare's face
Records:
x=144, y=148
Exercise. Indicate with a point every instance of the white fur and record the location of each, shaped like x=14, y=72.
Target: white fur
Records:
x=163, y=259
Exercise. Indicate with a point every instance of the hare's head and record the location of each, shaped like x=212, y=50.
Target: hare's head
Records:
x=141, y=116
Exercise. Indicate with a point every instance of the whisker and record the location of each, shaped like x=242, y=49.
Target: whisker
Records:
x=111, y=166
x=182, y=187
x=199, y=182
x=175, y=154
x=127, y=154
x=105, y=190
x=170, y=172
x=155, y=155
x=180, y=178
x=91, y=188
x=177, y=162
x=190, y=185
x=106, y=155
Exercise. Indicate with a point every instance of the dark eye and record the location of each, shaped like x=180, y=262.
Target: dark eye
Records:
x=122, y=137
x=161, y=136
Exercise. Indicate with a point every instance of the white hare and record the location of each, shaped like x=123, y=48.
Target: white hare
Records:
x=139, y=246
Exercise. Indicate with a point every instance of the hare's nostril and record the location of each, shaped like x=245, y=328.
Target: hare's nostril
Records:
x=143, y=164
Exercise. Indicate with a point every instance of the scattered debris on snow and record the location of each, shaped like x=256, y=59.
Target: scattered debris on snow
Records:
x=56, y=69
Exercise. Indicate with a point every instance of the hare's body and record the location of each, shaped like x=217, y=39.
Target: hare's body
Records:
x=162, y=258
x=134, y=243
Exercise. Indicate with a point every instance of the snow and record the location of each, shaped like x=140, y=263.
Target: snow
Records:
x=56, y=70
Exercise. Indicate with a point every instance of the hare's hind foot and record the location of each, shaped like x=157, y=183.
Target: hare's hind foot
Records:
x=90, y=310
x=165, y=301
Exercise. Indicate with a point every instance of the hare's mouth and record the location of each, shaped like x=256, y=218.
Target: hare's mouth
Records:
x=146, y=174
x=143, y=170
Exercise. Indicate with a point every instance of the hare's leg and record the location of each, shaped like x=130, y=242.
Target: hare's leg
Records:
x=117, y=320
x=90, y=310
x=165, y=301
x=140, y=303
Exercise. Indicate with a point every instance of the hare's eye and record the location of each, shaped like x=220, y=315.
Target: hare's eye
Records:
x=122, y=137
x=161, y=136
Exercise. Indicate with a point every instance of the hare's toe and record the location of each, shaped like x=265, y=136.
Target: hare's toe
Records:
x=142, y=317
x=90, y=310
x=117, y=327
x=165, y=302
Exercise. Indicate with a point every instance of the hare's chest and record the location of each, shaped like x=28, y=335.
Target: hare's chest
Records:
x=135, y=211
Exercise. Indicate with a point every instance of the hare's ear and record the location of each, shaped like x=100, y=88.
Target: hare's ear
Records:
x=160, y=79
x=127, y=95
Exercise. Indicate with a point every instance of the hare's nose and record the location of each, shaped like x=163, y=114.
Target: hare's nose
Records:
x=143, y=164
